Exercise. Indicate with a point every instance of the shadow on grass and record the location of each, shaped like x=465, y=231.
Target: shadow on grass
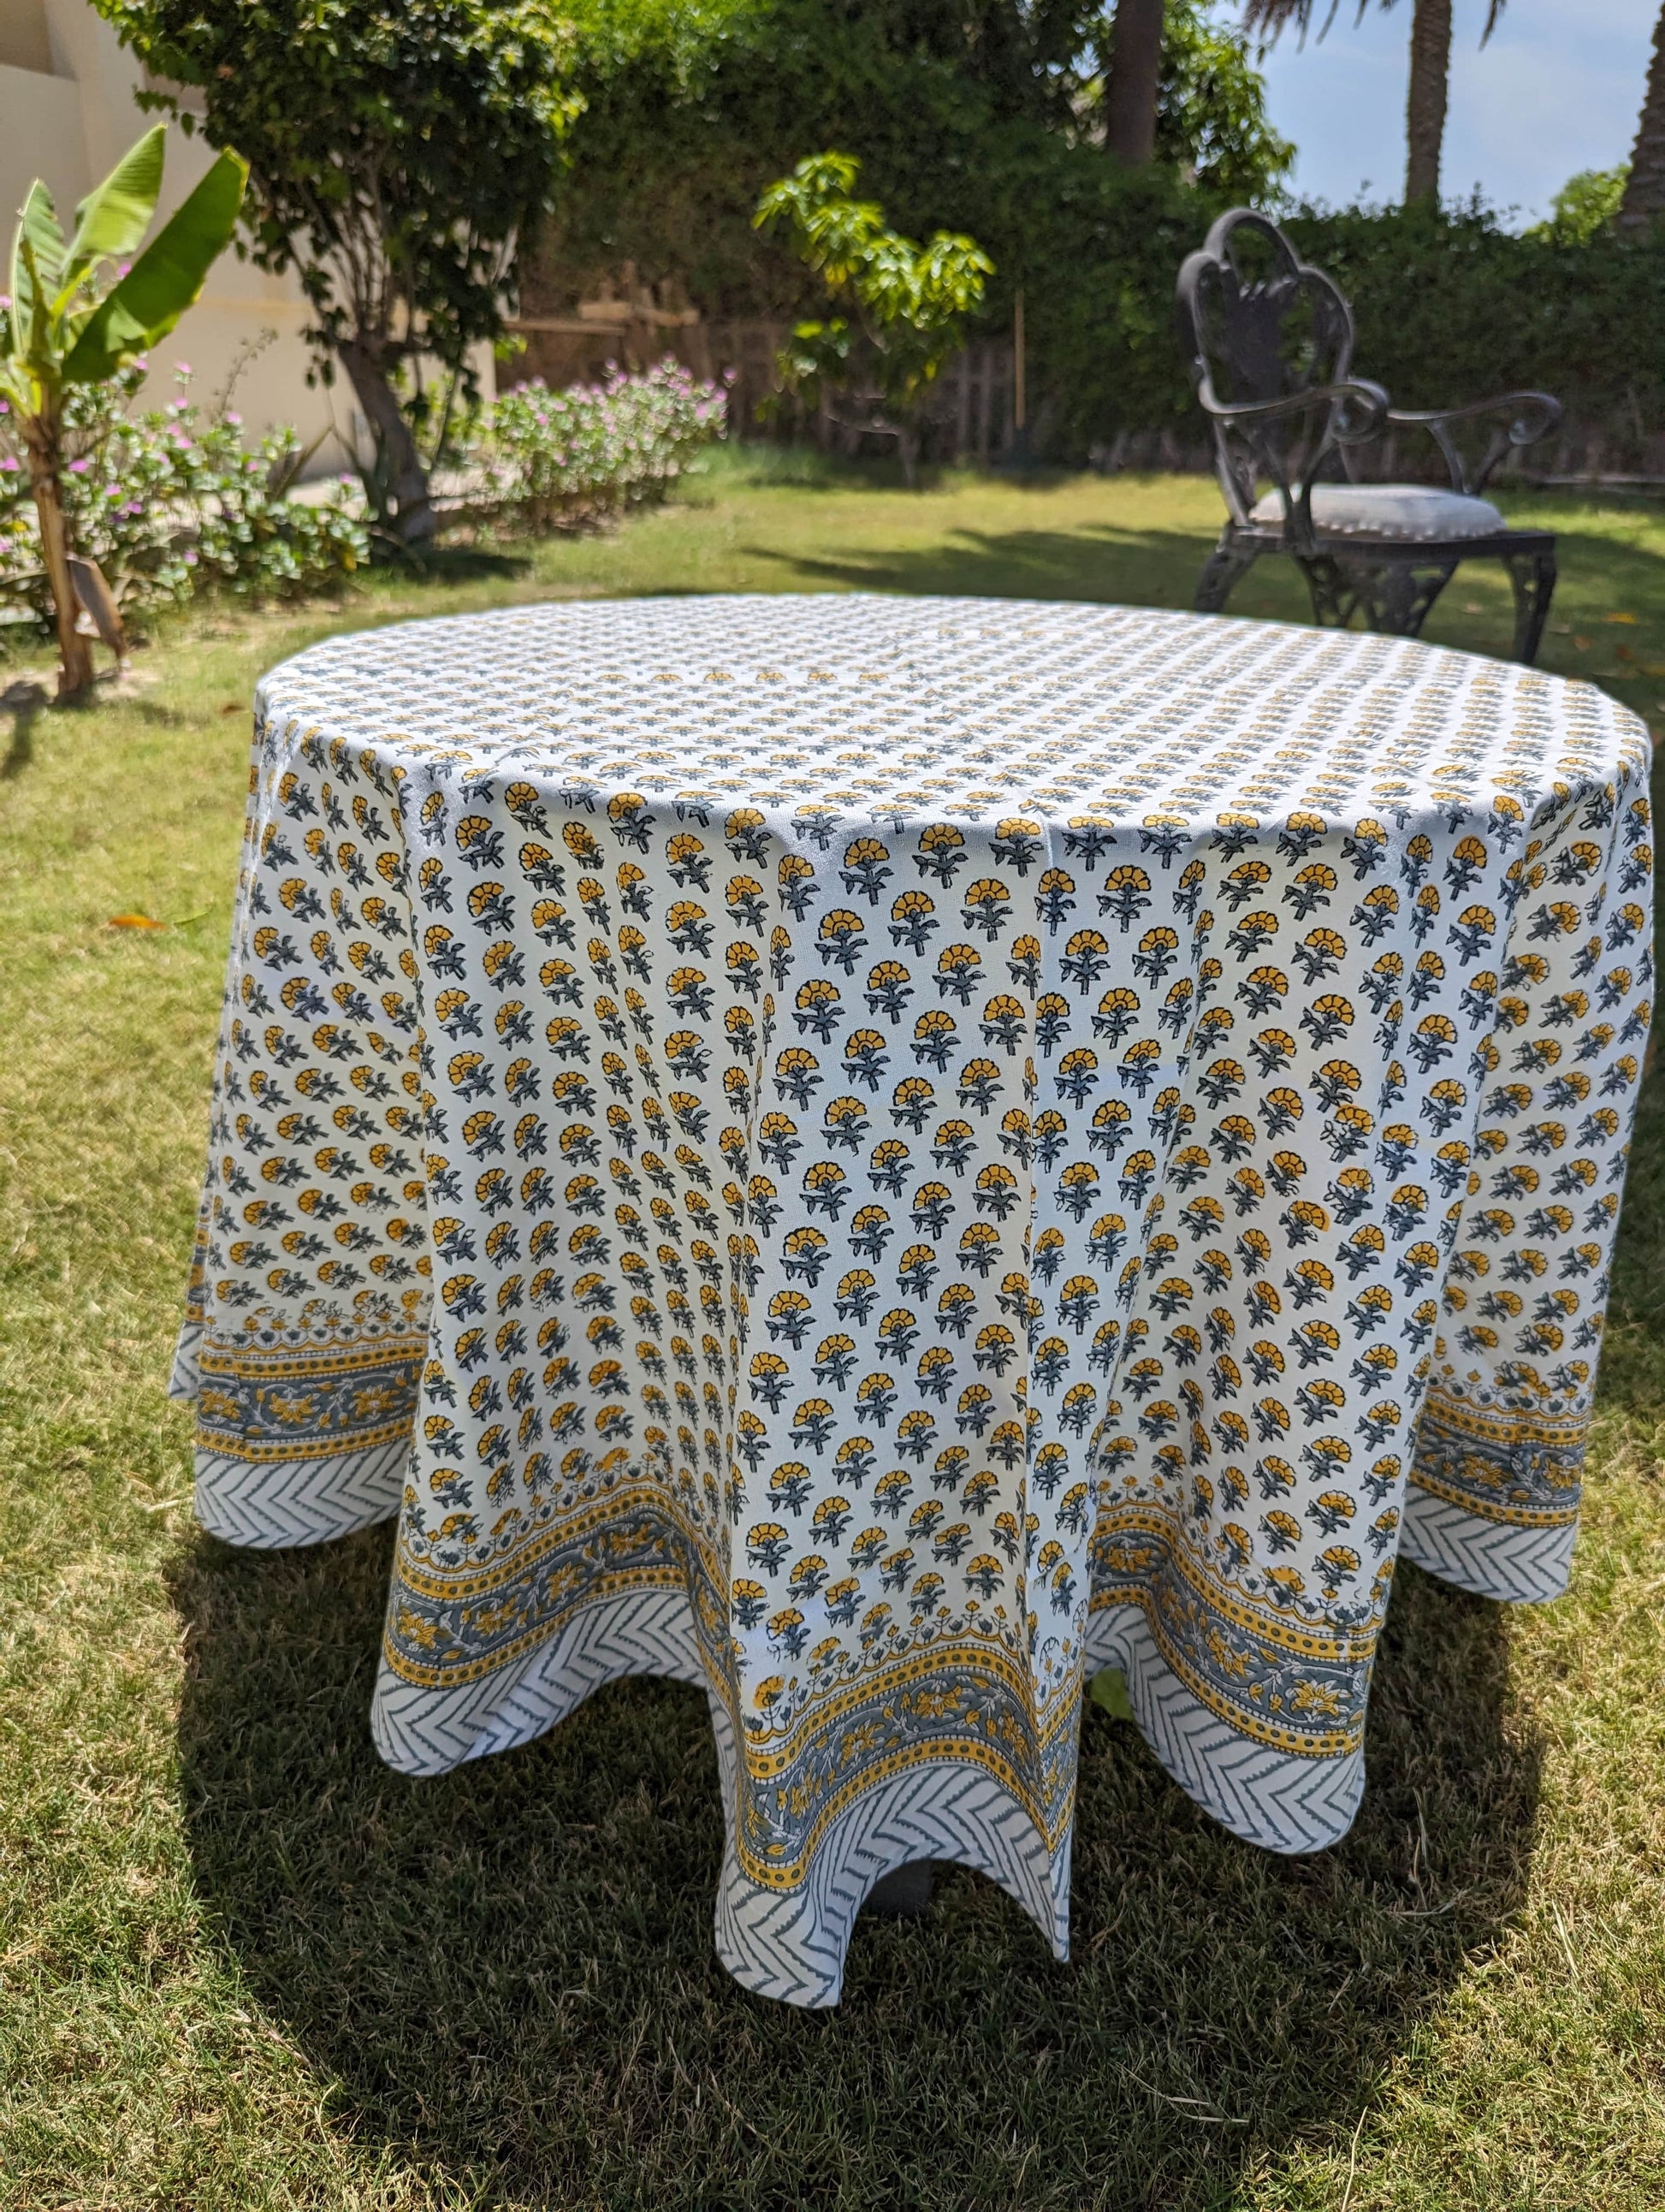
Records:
x=436, y=566
x=1102, y=562
x=508, y=1971
x=22, y=703
x=1098, y=562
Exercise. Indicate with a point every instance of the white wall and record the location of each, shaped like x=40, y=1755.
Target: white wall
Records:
x=68, y=113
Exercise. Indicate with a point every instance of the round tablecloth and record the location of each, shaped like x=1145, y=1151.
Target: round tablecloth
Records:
x=873, y=1154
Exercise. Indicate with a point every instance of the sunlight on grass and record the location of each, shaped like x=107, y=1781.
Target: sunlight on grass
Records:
x=246, y=1965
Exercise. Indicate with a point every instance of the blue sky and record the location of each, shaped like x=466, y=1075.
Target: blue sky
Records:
x=1558, y=89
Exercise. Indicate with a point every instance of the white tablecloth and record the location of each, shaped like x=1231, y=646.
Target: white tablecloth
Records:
x=874, y=1154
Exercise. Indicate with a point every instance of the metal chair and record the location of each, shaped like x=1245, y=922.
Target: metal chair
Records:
x=1271, y=342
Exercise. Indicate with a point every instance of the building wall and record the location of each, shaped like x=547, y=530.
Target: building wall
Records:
x=68, y=113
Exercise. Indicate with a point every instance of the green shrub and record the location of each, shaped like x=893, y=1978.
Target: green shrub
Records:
x=1453, y=306
x=171, y=501
x=906, y=303
x=1449, y=306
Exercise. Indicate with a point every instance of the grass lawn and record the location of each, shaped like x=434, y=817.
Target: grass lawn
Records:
x=243, y=1965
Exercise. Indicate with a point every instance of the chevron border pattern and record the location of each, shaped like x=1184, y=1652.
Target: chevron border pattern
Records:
x=268, y=1504
x=185, y=1377
x=422, y=1731
x=788, y=1945
x=791, y=1944
x=1274, y=1798
x=1492, y=1559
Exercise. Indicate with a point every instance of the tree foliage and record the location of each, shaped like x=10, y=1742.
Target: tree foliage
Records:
x=1212, y=123
x=1586, y=205
x=396, y=149
x=692, y=107
x=907, y=303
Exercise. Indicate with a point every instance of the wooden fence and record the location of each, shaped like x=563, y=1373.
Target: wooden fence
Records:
x=971, y=417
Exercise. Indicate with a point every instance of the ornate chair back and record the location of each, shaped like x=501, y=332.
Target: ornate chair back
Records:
x=1261, y=327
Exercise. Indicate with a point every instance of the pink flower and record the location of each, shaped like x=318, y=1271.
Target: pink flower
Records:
x=79, y=468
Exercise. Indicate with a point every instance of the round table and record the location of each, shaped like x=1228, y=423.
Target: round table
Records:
x=877, y=1154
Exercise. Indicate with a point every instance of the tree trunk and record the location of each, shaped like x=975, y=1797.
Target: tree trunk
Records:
x=1130, y=106
x=1644, y=190
x=396, y=447
x=908, y=454
x=1425, y=115
x=40, y=434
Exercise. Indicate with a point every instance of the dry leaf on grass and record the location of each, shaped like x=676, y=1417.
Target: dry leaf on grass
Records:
x=133, y=921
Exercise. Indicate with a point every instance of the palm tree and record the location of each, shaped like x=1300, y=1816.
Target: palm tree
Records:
x=1135, y=74
x=1431, y=72
x=1644, y=188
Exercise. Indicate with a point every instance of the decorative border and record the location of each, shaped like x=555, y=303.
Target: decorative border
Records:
x=1244, y=1665
x=449, y=1627
x=1279, y=1800
x=271, y=1504
x=1522, y=1468
x=791, y=1945
x=1492, y=1559
x=295, y=1395
x=958, y=1697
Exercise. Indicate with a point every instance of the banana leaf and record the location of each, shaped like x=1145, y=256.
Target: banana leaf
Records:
x=164, y=281
x=112, y=220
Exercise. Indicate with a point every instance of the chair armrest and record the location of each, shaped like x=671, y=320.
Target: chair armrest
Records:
x=1529, y=416
x=1250, y=443
x=1350, y=428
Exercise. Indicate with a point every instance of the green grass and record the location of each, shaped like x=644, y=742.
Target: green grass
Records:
x=243, y=1965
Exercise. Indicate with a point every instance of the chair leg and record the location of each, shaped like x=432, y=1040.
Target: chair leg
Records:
x=1331, y=589
x=1533, y=575
x=1221, y=572
x=1393, y=596
x=905, y=1892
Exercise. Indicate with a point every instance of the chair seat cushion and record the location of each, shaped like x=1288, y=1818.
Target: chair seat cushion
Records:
x=1412, y=511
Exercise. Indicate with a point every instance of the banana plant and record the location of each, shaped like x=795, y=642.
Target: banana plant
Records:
x=76, y=315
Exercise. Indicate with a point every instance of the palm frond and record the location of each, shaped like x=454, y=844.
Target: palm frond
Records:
x=1272, y=17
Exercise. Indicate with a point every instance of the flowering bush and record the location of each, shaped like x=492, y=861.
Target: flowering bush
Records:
x=171, y=501
x=545, y=459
